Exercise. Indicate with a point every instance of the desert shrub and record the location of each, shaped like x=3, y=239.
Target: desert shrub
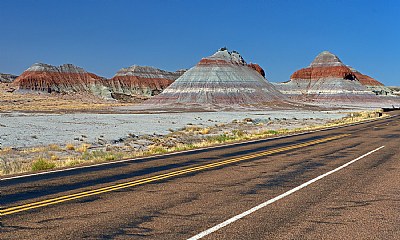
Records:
x=42, y=164
x=54, y=147
x=83, y=148
x=158, y=150
x=93, y=155
x=205, y=131
x=5, y=150
x=271, y=132
x=220, y=138
x=110, y=157
x=100, y=156
x=238, y=133
x=183, y=147
x=70, y=146
x=192, y=128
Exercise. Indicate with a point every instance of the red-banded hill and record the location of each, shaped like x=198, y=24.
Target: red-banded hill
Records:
x=142, y=81
x=223, y=78
x=66, y=78
x=327, y=79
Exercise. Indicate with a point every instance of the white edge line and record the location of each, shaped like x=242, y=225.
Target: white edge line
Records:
x=186, y=151
x=264, y=204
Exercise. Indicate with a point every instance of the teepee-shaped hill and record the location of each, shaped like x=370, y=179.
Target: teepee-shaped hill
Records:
x=221, y=79
x=327, y=79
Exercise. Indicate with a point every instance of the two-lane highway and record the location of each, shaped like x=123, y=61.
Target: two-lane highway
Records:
x=275, y=188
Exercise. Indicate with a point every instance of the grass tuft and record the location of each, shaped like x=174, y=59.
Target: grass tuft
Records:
x=70, y=146
x=42, y=164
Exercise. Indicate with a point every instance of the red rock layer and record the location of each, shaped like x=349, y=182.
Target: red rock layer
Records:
x=367, y=80
x=132, y=82
x=56, y=81
x=210, y=62
x=207, y=62
x=257, y=68
x=223, y=78
x=315, y=73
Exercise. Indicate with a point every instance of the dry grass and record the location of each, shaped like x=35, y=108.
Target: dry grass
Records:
x=5, y=151
x=70, y=146
x=83, y=148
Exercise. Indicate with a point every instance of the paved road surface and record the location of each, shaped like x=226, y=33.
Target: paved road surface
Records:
x=182, y=195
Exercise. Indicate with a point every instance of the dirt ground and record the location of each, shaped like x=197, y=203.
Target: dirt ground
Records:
x=52, y=103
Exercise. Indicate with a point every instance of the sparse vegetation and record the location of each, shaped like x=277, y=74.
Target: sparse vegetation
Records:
x=83, y=148
x=42, y=164
x=70, y=146
x=191, y=137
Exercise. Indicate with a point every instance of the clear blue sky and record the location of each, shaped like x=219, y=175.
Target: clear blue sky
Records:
x=282, y=36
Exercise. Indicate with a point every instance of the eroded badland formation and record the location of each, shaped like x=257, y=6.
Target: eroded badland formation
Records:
x=220, y=99
x=223, y=78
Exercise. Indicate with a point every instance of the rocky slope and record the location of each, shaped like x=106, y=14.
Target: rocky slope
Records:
x=395, y=90
x=66, y=78
x=327, y=79
x=372, y=84
x=142, y=81
x=223, y=78
x=7, y=78
x=258, y=68
x=365, y=79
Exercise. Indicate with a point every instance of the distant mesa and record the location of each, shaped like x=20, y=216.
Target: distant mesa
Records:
x=142, y=81
x=326, y=79
x=7, y=78
x=223, y=78
x=66, y=78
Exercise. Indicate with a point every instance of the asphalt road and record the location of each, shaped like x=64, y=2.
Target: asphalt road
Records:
x=181, y=195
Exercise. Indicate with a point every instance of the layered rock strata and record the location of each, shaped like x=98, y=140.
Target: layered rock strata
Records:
x=326, y=79
x=223, y=78
x=258, y=68
x=365, y=79
x=142, y=81
x=7, y=78
x=66, y=78
x=372, y=84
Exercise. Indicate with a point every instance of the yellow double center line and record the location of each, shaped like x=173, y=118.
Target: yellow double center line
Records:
x=51, y=201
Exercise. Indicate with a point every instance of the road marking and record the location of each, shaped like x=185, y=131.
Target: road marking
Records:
x=194, y=150
x=264, y=204
x=51, y=201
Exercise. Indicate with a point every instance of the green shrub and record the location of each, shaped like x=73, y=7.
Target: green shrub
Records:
x=220, y=138
x=238, y=133
x=42, y=164
x=158, y=150
x=272, y=132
